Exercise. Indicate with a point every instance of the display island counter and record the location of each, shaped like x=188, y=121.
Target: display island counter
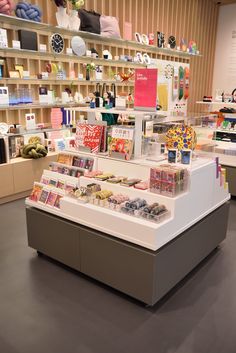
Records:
x=141, y=256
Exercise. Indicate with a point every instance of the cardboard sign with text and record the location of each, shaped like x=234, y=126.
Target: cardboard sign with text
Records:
x=146, y=89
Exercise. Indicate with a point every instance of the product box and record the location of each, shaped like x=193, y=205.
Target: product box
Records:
x=15, y=145
x=64, y=158
x=168, y=180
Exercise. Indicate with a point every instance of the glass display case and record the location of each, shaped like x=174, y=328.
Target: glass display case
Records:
x=216, y=136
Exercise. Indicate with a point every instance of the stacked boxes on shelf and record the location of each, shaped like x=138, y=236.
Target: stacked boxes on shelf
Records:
x=168, y=180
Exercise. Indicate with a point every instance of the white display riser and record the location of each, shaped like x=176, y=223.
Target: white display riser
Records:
x=204, y=196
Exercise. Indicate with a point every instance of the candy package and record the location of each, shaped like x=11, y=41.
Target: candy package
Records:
x=130, y=182
x=143, y=185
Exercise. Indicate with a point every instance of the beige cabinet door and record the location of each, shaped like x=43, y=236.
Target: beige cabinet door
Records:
x=6, y=180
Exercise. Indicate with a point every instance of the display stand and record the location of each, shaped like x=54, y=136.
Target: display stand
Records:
x=141, y=258
x=141, y=273
x=227, y=161
x=139, y=117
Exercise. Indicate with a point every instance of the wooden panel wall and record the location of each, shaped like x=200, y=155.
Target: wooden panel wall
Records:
x=191, y=19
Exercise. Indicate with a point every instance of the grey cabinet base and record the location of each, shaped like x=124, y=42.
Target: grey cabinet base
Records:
x=141, y=273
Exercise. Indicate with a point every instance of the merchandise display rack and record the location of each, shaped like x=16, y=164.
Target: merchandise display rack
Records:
x=93, y=37
x=221, y=148
x=140, y=116
x=35, y=62
x=93, y=239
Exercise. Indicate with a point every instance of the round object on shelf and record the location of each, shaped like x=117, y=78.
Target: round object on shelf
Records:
x=138, y=37
x=139, y=58
x=57, y=43
x=78, y=46
x=172, y=42
x=146, y=59
x=181, y=137
x=4, y=128
x=145, y=39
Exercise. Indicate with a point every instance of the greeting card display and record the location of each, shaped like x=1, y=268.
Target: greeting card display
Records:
x=121, y=143
x=64, y=158
x=146, y=89
x=88, y=137
x=36, y=192
x=51, y=198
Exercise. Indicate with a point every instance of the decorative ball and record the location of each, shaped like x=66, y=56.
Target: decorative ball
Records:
x=6, y=6
x=28, y=11
x=181, y=137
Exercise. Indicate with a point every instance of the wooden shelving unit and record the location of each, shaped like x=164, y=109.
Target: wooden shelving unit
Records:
x=18, y=176
x=35, y=62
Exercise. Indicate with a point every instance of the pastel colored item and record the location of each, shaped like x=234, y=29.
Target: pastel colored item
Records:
x=6, y=6
x=28, y=11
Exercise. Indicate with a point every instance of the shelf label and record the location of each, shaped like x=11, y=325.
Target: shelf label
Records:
x=69, y=51
x=16, y=44
x=43, y=48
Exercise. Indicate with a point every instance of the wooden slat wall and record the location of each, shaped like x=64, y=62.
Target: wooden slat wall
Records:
x=191, y=19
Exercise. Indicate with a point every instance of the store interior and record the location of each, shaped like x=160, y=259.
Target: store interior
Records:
x=117, y=169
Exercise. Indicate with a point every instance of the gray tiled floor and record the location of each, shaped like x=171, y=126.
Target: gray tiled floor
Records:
x=45, y=308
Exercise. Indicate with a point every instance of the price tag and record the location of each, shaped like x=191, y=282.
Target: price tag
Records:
x=26, y=74
x=43, y=48
x=69, y=51
x=16, y=44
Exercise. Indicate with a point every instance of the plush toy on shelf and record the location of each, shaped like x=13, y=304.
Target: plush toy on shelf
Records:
x=6, y=6
x=28, y=11
x=33, y=150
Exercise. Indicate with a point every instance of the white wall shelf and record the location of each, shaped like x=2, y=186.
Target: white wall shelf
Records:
x=223, y=104
x=93, y=37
